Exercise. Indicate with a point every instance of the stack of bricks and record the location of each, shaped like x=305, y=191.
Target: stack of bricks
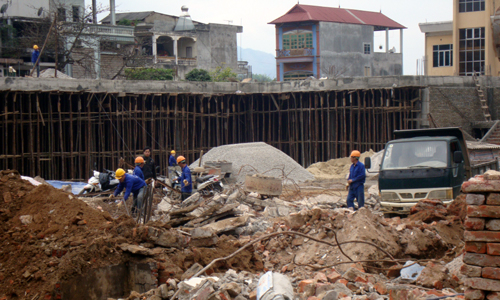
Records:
x=482, y=238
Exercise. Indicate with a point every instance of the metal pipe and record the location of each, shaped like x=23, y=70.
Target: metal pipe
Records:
x=112, y=12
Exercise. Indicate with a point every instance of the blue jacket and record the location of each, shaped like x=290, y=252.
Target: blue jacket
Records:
x=132, y=184
x=357, y=174
x=34, y=56
x=186, y=174
x=172, y=161
x=138, y=172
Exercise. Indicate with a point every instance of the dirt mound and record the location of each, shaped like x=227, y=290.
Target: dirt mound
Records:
x=48, y=238
x=335, y=168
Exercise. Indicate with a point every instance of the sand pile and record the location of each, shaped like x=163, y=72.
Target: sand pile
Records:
x=257, y=158
x=335, y=168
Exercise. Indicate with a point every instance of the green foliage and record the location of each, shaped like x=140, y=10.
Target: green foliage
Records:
x=262, y=78
x=222, y=75
x=149, y=74
x=198, y=75
x=126, y=22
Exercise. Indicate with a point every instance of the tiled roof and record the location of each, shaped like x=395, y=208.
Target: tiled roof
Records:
x=300, y=13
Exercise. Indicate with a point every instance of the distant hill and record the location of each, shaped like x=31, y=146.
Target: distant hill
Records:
x=261, y=62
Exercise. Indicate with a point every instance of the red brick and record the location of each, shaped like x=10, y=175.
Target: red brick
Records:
x=474, y=199
x=493, y=296
x=491, y=273
x=482, y=236
x=381, y=288
x=471, y=271
x=483, y=211
x=253, y=295
x=471, y=294
x=493, y=225
x=493, y=249
x=333, y=277
x=320, y=277
x=481, y=186
x=313, y=298
x=493, y=199
x=483, y=284
x=304, y=283
x=482, y=260
x=475, y=247
x=474, y=223
x=343, y=281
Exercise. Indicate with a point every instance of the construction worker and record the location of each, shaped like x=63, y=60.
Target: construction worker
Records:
x=356, y=181
x=34, y=59
x=131, y=184
x=149, y=168
x=185, y=179
x=172, y=162
x=139, y=164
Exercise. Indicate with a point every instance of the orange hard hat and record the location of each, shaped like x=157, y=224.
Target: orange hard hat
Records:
x=139, y=160
x=180, y=159
x=356, y=153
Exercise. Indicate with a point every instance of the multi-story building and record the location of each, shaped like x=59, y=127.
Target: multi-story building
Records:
x=465, y=45
x=177, y=42
x=331, y=42
x=80, y=41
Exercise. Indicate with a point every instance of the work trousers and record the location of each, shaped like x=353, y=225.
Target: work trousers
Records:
x=184, y=196
x=358, y=194
x=138, y=198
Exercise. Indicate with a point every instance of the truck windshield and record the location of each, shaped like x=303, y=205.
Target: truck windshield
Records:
x=418, y=154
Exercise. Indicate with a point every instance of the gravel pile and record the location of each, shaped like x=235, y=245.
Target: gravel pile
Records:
x=257, y=158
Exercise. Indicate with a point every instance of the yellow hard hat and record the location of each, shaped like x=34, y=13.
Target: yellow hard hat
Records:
x=139, y=160
x=172, y=152
x=119, y=173
x=35, y=47
x=356, y=153
x=180, y=158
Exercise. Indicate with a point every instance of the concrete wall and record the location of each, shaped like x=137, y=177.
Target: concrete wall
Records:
x=342, y=53
x=217, y=46
x=25, y=8
x=128, y=86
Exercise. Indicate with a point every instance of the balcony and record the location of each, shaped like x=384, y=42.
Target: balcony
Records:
x=181, y=61
x=294, y=52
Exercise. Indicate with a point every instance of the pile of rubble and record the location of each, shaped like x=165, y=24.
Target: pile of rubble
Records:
x=219, y=247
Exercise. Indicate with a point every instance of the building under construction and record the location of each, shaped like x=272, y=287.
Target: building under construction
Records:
x=64, y=129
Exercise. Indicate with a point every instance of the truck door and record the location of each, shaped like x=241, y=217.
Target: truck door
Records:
x=457, y=169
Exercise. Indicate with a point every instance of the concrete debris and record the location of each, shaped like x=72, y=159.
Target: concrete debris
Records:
x=255, y=158
x=74, y=241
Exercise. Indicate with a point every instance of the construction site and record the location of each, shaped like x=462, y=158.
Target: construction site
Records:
x=279, y=226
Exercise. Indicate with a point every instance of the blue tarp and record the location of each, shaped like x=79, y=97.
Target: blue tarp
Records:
x=76, y=187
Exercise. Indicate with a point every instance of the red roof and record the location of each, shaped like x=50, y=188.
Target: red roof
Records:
x=300, y=13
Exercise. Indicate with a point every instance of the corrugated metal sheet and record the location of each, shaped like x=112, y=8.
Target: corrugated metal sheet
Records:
x=301, y=13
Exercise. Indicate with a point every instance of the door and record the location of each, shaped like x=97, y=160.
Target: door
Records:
x=189, y=52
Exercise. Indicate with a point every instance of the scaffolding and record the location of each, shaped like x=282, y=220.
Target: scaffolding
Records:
x=64, y=135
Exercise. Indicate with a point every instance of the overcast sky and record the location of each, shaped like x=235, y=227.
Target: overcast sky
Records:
x=255, y=14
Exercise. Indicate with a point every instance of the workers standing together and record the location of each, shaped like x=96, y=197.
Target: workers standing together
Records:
x=356, y=181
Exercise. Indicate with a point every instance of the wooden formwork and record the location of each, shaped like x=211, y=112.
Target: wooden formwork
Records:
x=64, y=135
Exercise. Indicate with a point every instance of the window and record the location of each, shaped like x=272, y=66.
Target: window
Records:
x=471, y=51
x=367, y=48
x=76, y=14
x=442, y=56
x=470, y=5
x=298, y=39
x=297, y=75
x=61, y=14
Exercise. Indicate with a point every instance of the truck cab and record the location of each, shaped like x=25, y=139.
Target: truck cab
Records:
x=422, y=164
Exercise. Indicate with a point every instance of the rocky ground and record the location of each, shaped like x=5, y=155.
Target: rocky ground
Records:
x=49, y=237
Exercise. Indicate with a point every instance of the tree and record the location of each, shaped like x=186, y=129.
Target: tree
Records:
x=262, y=78
x=223, y=75
x=149, y=74
x=198, y=75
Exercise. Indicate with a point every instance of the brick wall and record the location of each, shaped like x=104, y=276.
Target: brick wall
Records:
x=110, y=65
x=83, y=68
x=482, y=238
x=455, y=107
